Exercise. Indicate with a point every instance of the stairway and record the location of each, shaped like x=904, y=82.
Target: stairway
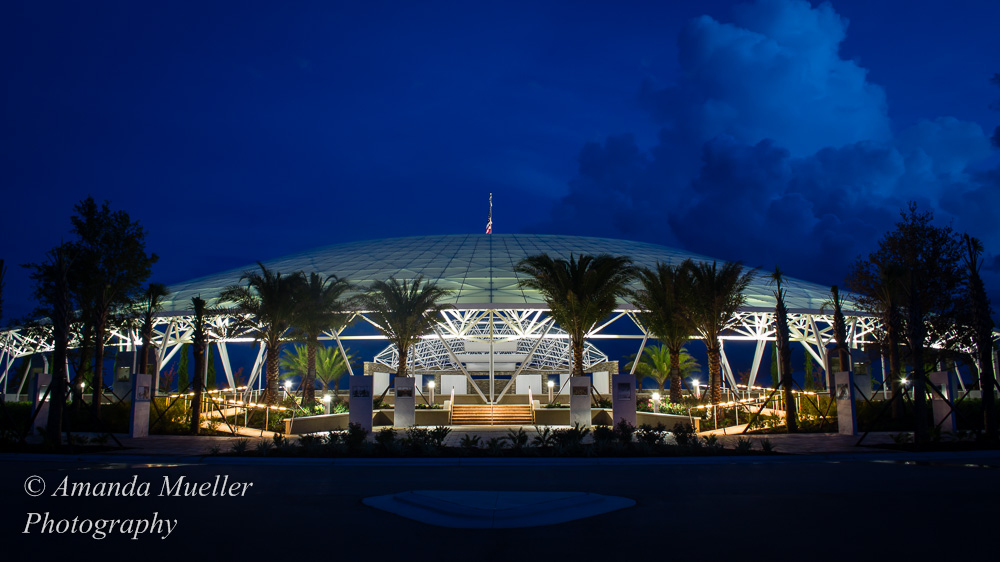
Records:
x=498, y=414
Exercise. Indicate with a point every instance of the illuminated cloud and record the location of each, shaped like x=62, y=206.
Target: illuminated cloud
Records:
x=775, y=150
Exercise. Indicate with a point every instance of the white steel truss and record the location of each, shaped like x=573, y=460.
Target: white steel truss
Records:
x=459, y=327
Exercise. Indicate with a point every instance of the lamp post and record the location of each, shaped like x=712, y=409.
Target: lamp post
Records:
x=326, y=403
x=697, y=393
x=551, y=385
x=288, y=385
x=656, y=402
x=430, y=385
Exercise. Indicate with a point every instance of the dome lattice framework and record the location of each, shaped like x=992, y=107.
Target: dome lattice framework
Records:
x=486, y=306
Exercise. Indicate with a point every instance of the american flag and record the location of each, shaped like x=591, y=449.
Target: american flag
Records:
x=489, y=221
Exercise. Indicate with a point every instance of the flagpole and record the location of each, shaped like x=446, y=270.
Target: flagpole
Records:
x=489, y=221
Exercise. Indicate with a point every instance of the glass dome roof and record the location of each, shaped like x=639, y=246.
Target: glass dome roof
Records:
x=478, y=269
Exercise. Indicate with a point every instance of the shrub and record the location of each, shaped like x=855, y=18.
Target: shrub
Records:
x=438, y=435
x=684, y=435
x=650, y=435
x=239, y=446
x=545, y=438
x=518, y=439
x=355, y=437
x=469, y=442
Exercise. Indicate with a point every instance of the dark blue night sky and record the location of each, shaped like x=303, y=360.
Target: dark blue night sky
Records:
x=776, y=131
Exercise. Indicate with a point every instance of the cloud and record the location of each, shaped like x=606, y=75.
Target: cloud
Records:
x=775, y=150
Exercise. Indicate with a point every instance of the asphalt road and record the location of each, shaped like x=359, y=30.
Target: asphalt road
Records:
x=802, y=510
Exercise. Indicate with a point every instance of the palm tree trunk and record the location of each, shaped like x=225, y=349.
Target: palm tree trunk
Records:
x=271, y=368
x=894, y=371
x=916, y=329
x=60, y=329
x=662, y=382
x=199, y=373
x=309, y=384
x=144, y=354
x=984, y=345
x=578, y=357
x=97, y=381
x=715, y=374
x=86, y=345
x=791, y=416
x=675, y=375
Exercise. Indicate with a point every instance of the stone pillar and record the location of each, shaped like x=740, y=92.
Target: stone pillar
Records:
x=579, y=401
x=142, y=393
x=602, y=382
x=944, y=416
x=623, y=399
x=404, y=414
x=380, y=379
x=123, y=384
x=360, y=396
x=843, y=392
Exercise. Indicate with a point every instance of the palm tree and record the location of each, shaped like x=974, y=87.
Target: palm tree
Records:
x=53, y=292
x=199, y=345
x=784, y=348
x=579, y=292
x=716, y=295
x=330, y=365
x=982, y=329
x=839, y=327
x=404, y=312
x=149, y=305
x=661, y=298
x=268, y=302
x=880, y=292
x=320, y=307
x=658, y=363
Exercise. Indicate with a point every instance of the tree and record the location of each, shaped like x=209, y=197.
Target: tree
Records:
x=404, y=312
x=108, y=271
x=981, y=327
x=658, y=363
x=716, y=296
x=150, y=303
x=266, y=298
x=661, y=299
x=783, y=346
x=579, y=292
x=321, y=306
x=183, y=379
x=918, y=264
x=52, y=291
x=810, y=380
x=330, y=365
x=199, y=344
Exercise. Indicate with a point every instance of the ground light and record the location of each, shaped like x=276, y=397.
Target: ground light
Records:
x=697, y=393
x=430, y=385
x=551, y=385
x=656, y=402
x=326, y=402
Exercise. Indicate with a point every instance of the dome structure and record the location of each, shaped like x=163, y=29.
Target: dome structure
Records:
x=490, y=322
x=478, y=269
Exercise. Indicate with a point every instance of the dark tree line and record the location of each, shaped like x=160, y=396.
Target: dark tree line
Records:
x=931, y=307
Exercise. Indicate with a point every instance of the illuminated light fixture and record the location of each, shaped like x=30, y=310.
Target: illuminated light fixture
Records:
x=288, y=384
x=552, y=385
